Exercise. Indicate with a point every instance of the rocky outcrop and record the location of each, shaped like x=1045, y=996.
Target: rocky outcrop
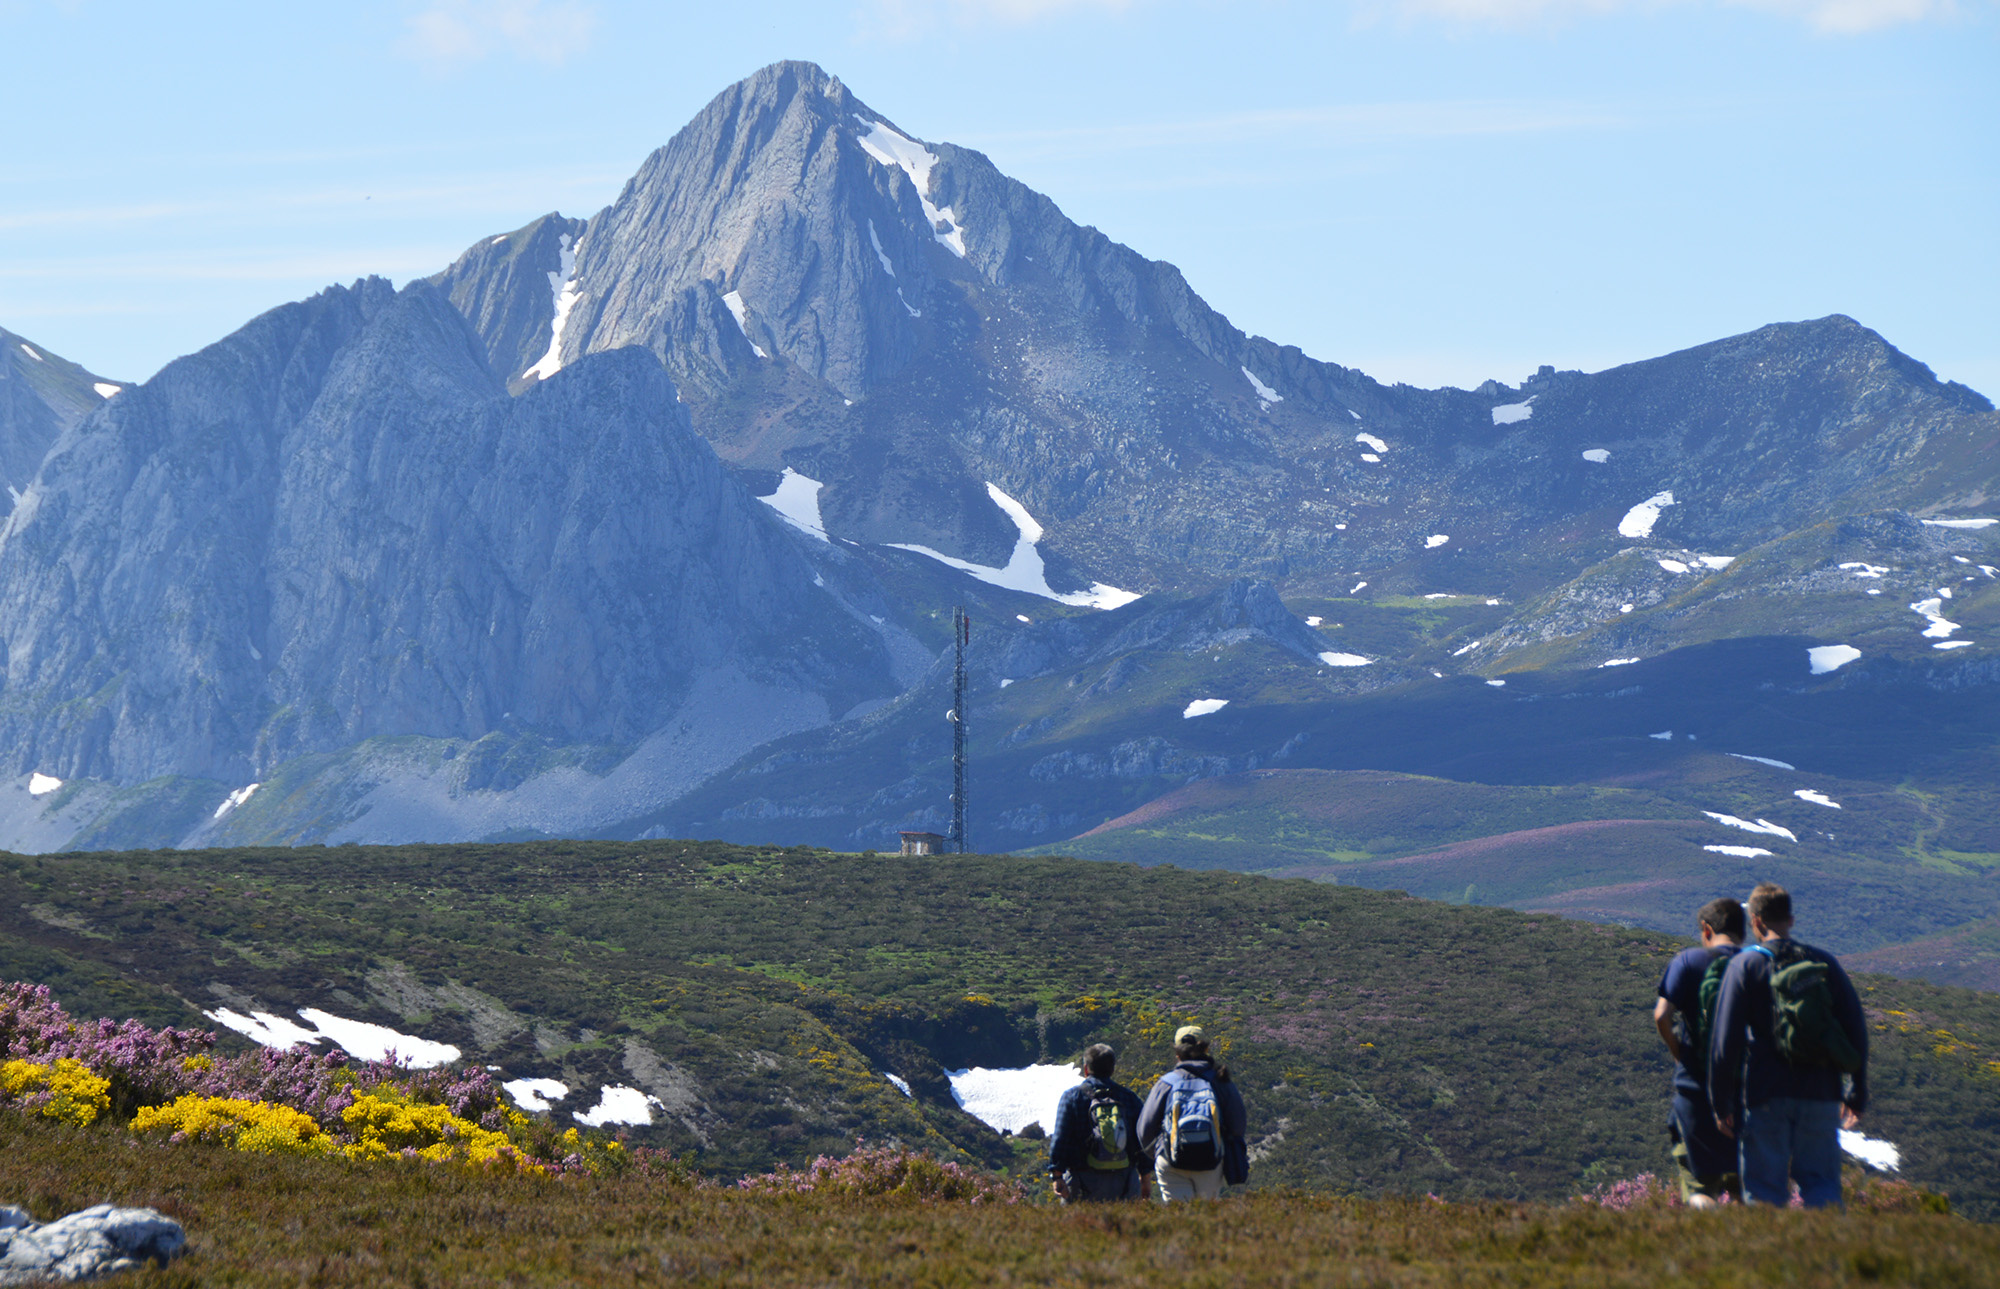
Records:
x=85, y=1245
x=336, y=526
x=41, y=395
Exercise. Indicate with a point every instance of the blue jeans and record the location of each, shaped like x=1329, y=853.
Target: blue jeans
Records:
x=1790, y=1139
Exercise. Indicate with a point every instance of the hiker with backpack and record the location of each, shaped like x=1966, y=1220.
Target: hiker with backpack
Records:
x=1684, y=1013
x=1094, y=1152
x=1788, y=1027
x=1193, y=1124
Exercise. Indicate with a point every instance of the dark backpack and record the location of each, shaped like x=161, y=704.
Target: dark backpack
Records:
x=1194, y=1124
x=1109, y=1133
x=1700, y=1025
x=1804, y=1025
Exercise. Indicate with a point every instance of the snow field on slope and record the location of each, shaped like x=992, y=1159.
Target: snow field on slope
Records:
x=1508, y=413
x=618, y=1104
x=1639, y=520
x=535, y=1094
x=1025, y=569
x=1764, y=826
x=562, y=285
x=355, y=1037
x=915, y=160
x=1741, y=852
x=1203, y=707
x=1826, y=658
x=1265, y=394
x=797, y=502
x=734, y=299
x=1010, y=1100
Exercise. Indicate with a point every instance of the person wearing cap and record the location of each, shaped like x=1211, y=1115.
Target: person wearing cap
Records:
x=1193, y=1123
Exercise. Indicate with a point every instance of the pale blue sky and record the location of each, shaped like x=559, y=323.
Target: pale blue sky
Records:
x=1435, y=191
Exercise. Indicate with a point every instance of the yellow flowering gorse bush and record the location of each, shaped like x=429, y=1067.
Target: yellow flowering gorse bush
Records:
x=255, y=1126
x=73, y=1094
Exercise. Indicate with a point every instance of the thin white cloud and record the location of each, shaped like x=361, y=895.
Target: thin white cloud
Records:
x=1833, y=17
x=908, y=18
x=450, y=33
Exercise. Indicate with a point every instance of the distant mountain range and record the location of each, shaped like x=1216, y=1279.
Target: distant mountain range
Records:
x=650, y=524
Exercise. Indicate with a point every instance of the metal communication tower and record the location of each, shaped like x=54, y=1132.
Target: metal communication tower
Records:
x=961, y=633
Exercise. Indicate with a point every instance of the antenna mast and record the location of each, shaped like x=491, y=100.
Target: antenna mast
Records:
x=961, y=633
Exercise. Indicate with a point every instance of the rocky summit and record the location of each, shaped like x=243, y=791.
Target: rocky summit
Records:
x=650, y=522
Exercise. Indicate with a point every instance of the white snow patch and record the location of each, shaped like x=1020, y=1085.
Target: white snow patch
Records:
x=1356, y=415
x=909, y=308
x=1372, y=442
x=535, y=1094
x=1665, y=735
x=104, y=388
x=1862, y=568
x=1596, y=456
x=496, y=241
x=1345, y=660
x=901, y=1086
x=1496, y=683
x=1439, y=595
x=1934, y=523
x=1741, y=852
x=1944, y=592
x=893, y=149
x=617, y=1103
x=1343, y=527
x=1357, y=588
x=562, y=285
x=1716, y=561
x=1203, y=707
x=1491, y=603
x=1952, y=644
x=1989, y=570
x=1265, y=394
x=1010, y=1100
x=1435, y=540
x=1005, y=681
x=1762, y=760
x=1938, y=629
x=1673, y=566
x=797, y=503
x=734, y=299
x=1825, y=658
x=1960, y=559
x=377, y=1042
x=881, y=254
x=1624, y=608
x=1616, y=662
x=1878, y=1154
x=358, y=1038
x=236, y=799
x=264, y=1029
x=1371, y=458
x=1874, y=590
x=1508, y=413
x=1314, y=621
x=1025, y=570
x=1817, y=798
x=1764, y=826
x=1465, y=649
x=41, y=785
x=1639, y=520
x=29, y=350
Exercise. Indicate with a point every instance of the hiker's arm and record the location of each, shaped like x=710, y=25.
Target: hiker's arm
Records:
x=1663, y=1020
x=1847, y=1009
x=1150, y=1115
x=1061, y=1149
x=1725, y=1051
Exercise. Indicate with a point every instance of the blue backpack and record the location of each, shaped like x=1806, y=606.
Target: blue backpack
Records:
x=1194, y=1124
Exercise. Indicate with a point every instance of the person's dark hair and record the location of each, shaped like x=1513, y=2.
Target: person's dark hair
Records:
x=1193, y=1049
x=1723, y=916
x=1099, y=1060
x=1771, y=904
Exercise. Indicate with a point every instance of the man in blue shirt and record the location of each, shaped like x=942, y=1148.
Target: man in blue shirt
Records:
x=1704, y=1157
x=1094, y=1151
x=1786, y=1117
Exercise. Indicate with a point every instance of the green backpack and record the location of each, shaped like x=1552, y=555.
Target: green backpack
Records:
x=1701, y=1025
x=1803, y=1022
x=1109, y=1132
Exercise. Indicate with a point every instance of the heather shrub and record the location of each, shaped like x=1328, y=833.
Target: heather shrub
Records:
x=887, y=1170
x=1644, y=1192
x=66, y=1091
x=255, y=1126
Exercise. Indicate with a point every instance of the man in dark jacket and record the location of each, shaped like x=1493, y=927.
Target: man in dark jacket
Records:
x=1786, y=1117
x=1094, y=1151
x=1705, y=1159
x=1193, y=1122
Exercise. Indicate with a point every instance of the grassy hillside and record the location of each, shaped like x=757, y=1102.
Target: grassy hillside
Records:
x=1386, y=1044
x=1882, y=865
x=288, y=1220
